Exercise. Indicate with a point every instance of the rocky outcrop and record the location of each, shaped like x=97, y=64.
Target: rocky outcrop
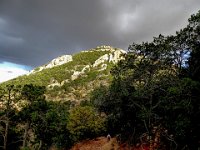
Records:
x=105, y=48
x=117, y=56
x=101, y=60
x=103, y=67
x=114, y=57
x=65, y=81
x=59, y=61
x=55, y=62
x=53, y=83
x=101, y=48
x=76, y=74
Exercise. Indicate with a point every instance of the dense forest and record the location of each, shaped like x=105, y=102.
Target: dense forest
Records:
x=153, y=99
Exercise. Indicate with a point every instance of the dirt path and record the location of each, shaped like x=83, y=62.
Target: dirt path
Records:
x=101, y=143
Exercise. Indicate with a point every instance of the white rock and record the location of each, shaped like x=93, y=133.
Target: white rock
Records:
x=114, y=57
x=50, y=86
x=75, y=75
x=101, y=59
x=59, y=61
x=55, y=62
x=103, y=67
x=87, y=67
x=63, y=82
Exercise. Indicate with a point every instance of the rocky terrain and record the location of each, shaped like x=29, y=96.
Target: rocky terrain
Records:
x=55, y=62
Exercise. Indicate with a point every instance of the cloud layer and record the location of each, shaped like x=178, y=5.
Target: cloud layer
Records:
x=34, y=32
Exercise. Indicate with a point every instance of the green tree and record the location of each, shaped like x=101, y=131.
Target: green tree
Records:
x=33, y=107
x=157, y=86
x=180, y=112
x=193, y=42
x=9, y=96
x=84, y=123
x=50, y=125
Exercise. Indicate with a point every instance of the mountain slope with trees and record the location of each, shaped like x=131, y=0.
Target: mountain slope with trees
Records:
x=151, y=100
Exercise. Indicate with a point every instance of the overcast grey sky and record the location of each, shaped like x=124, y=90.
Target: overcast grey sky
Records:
x=32, y=32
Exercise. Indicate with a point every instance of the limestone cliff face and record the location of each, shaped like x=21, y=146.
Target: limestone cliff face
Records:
x=113, y=57
x=55, y=62
x=59, y=61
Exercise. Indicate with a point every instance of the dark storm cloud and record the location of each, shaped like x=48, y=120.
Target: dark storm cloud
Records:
x=32, y=32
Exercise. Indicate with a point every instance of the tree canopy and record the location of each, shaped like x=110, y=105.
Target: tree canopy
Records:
x=155, y=91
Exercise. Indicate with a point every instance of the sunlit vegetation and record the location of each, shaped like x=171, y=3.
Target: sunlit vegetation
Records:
x=58, y=73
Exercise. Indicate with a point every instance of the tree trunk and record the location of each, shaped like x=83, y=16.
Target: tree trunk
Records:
x=25, y=135
x=40, y=145
x=6, y=135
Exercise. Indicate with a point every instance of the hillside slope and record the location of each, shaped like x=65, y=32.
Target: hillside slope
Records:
x=72, y=77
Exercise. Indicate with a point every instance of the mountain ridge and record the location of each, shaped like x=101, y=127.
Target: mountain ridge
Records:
x=60, y=60
x=73, y=77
